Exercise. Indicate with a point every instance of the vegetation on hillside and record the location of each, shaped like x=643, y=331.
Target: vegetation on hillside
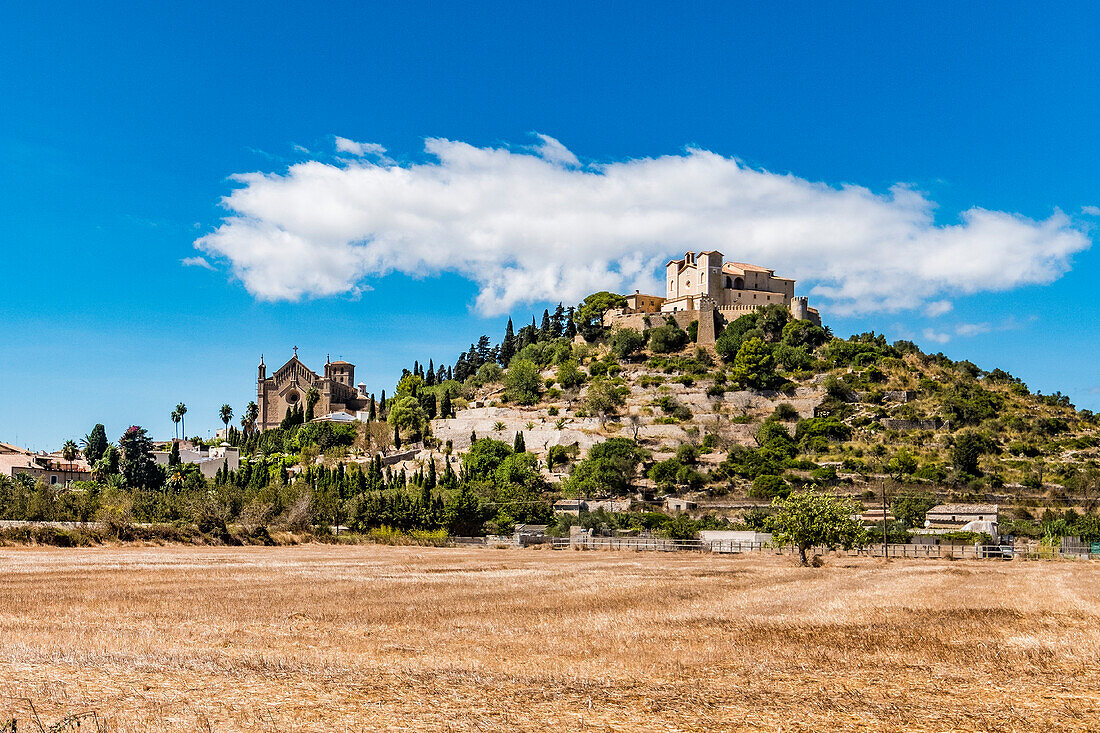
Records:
x=670, y=418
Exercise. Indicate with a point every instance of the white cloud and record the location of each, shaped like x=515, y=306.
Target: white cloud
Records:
x=196, y=262
x=938, y=337
x=938, y=308
x=343, y=145
x=1091, y=210
x=533, y=224
x=553, y=151
x=972, y=329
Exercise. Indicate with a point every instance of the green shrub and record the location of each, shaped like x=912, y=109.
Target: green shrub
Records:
x=785, y=411
x=667, y=339
x=769, y=487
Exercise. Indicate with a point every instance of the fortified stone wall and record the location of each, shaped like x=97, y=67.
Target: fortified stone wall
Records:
x=712, y=320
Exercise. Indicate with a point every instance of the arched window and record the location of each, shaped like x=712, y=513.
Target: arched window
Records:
x=729, y=283
x=739, y=284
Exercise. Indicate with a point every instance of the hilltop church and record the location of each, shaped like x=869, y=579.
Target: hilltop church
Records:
x=703, y=287
x=287, y=388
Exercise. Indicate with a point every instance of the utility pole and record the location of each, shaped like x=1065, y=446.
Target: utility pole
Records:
x=885, y=546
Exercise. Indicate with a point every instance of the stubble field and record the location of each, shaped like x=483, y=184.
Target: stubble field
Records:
x=325, y=638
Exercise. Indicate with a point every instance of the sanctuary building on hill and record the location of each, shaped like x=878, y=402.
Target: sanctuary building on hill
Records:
x=703, y=287
x=287, y=388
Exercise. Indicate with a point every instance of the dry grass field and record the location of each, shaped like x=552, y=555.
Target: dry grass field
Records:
x=323, y=638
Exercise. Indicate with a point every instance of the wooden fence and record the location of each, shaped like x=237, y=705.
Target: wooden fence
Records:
x=725, y=547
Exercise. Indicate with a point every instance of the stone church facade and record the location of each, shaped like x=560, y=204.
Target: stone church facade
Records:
x=287, y=388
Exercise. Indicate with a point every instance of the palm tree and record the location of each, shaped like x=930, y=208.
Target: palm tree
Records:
x=182, y=410
x=69, y=452
x=251, y=415
x=226, y=414
x=176, y=417
x=176, y=477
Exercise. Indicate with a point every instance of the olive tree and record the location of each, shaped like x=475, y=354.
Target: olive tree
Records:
x=807, y=519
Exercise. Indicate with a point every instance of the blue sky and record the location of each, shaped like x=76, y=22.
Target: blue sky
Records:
x=122, y=125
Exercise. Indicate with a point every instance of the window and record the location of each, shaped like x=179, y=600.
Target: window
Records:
x=53, y=480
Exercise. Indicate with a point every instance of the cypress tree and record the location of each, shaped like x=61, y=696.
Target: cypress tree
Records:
x=396, y=437
x=508, y=345
x=372, y=413
x=517, y=443
x=445, y=409
x=544, y=329
x=431, y=474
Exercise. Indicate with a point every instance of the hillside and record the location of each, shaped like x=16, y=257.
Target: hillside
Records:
x=581, y=410
x=852, y=414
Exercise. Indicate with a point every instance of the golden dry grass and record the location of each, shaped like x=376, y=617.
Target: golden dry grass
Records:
x=323, y=638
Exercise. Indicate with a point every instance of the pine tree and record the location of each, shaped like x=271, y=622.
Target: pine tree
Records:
x=570, y=327
x=462, y=369
x=508, y=345
x=557, y=322
x=484, y=350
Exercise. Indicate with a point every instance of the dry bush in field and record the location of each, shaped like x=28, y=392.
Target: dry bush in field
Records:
x=297, y=517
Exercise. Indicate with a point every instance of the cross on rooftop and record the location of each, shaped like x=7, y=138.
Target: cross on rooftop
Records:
x=295, y=351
